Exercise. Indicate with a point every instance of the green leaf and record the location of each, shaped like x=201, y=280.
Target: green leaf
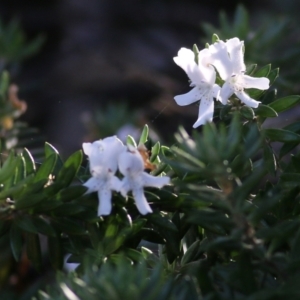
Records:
x=144, y=135
x=196, y=53
x=26, y=201
x=286, y=148
x=161, y=221
x=240, y=194
x=69, y=226
x=150, y=257
x=269, y=159
x=43, y=226
x=25, y=223
x=265, y=111
x=247, y=112
x=273, y=75
x=16, y=243
x=224, y=112
x=280, y=135
x=210, y=219
x=33, y=248
x=290, y=180
x=9, y=166
x=295, y=127
x=191, y=253
x=69, y=193
x=50, y=150
x=234, y=135
x=20, y=170
x=55, y=252
x=130, y=141
x=29, y=162
x=263, y=72
x=46, y=168
x=155, y=151
x=269, y=97
x=17, y=189
x=69, y=169
x=250, y=69
x=285, y=103
x=214, y=38
x=151, y=236
x=68, y=209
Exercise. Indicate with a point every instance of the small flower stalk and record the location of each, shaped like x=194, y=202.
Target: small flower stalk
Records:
x=106, y=157
x=227, y=58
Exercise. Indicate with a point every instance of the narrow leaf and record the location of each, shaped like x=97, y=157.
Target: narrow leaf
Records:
x=280, y=135
x=285, y=103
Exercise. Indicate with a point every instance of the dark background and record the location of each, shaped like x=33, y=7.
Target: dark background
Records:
x=103, y=51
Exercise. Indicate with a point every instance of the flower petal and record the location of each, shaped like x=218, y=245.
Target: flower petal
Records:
x=216, y=91
x=125, y=186
x=186, y=60
x=221, y=59
x=262, y=83
x=87, y=148
x=104, y=207
x=154, y=181
x=245, y=98
x=141, y=202
x=235, y=50
x=192, y=96
x=226, y=91
x=115, y=183
x=130, y=162
x=206, y=111
x=93, y=184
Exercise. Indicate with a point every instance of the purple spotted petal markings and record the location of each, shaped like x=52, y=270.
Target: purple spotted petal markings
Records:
x=228, y=59
x=131, y=165
x=202, y=76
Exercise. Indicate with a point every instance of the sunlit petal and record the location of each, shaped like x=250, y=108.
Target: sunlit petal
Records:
x=87, y=148
x=104, y=207
x=93, y=184
x=235, y=50
x=192, y=96
x=206, y=111
x=132, y=167
x=216, y=91
x=130, y=161
x=226, y=91
x=158, y=182
x=221, y=60
x=262, y=83
x=141, y=202
x=186, y=60
x=245, y=98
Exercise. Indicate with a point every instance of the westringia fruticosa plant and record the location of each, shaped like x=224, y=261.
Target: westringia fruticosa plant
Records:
x=214, y=216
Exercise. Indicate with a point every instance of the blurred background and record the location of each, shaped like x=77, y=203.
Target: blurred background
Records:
x=100, y=66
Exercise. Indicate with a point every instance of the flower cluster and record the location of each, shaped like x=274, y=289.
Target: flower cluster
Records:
x=106, y=157
x=228, y=59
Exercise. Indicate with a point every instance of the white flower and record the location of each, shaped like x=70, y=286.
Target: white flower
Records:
x=228, y=58
x=103, y=158
x=202, y=76
x=131, y=165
